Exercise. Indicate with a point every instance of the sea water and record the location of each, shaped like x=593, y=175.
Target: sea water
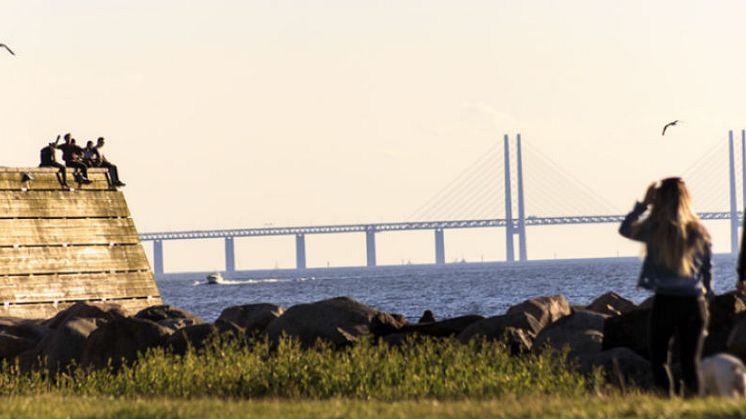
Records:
x=449, y=290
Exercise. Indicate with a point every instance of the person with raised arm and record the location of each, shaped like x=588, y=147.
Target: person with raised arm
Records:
x=72, y=154
x=677, y=267
x=48, y=159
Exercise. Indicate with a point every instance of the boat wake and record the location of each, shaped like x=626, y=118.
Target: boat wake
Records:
x=251, y=281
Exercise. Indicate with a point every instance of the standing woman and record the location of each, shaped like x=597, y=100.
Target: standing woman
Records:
x=677, y=268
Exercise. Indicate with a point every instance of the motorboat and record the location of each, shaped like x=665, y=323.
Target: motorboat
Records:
x=215, y=278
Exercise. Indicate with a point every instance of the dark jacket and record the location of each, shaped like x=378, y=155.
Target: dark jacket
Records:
x=741, y=266
x=661, y=279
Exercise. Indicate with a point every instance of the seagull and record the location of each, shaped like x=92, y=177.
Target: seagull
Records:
x=670, y=124
x=9, y=50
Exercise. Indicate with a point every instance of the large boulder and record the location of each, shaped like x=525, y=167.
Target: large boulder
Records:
x=121, y=340
x=443, y=328
x=338, y=320
x=191, y=336
x=19, y=335
x=581, y=332
x=439, y=329
x=64, y=345
x=496, y=327
x=532, y=316
x=622, y=367
x=85, y=310
x=611, y=304
x=197, y=336
x=725, y=312
x=253, y=318
x=171, y=317
x=544, y=310
x=629, y=330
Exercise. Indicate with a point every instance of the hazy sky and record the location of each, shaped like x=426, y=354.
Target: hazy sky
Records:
x=228, y=114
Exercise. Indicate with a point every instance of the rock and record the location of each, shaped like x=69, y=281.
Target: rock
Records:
x=227, y=327
x=647, y=304
x=531, y=315
x=336, y=320
x=11, y=346
x=443, y=328
x=427, y=317
x=85, y=310
x=121, y=339
x=439, y=329
x=494, y=328
x=736, y=343
x=611, y=304
x=19, y=335
x=519, y=341
x=582, y=332
x=383, y=324
x=65, y=344
x=19, y=339
x=622, y=367
x=628, y=330
x=544, y=310
x=25, y=328
x=176, y=324
x=164, y=312
x=726, y=310
x=397, y=339
x=191, y=336
x=253, y=318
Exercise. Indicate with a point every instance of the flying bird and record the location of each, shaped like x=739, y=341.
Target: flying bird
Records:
x=670, y=124
x=9, y=50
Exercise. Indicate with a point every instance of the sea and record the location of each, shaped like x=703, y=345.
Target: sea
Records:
x=449, y=290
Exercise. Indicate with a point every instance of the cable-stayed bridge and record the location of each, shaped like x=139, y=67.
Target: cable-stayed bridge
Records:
x=478, y=198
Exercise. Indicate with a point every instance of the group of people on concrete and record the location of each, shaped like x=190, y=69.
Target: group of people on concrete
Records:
x=79, y=159
x=677, y=268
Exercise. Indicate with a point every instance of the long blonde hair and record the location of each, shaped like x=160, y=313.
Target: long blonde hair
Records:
x=675, y=233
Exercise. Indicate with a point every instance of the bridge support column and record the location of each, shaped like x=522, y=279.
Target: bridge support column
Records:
x=158, y=257
x=370, y=246
x=230, y=255
x=521, y=209
x=733, y=205
x=508, y=205
x=300, y=251
x=440, y=248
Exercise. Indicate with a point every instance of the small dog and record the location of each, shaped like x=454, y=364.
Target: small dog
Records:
x=722, y=375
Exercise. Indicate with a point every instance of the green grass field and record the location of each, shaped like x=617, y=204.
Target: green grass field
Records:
x=56, y=406
x=431, y=379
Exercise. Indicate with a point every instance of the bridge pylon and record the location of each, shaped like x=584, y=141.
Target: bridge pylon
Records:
x=514, y=227
x=509, y=256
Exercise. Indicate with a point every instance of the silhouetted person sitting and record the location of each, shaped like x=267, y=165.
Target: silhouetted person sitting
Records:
x=89, y=155
x=102, y=162
x=71, y=154
x=48, y=159
x=427, y=317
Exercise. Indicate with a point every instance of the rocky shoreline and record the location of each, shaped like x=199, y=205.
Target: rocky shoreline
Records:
x=610, y=332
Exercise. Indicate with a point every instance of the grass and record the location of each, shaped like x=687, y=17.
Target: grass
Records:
x=433, y=369
x=431, y=379
x=54, y=406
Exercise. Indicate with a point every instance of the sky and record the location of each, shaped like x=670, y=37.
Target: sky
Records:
x=228, y=114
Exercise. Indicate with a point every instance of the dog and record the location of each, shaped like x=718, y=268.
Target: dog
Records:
x=722, y=375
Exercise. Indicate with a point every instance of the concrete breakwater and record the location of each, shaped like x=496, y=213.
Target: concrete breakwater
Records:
x=610, y=333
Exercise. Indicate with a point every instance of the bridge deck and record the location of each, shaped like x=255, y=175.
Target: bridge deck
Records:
x=400, y=226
